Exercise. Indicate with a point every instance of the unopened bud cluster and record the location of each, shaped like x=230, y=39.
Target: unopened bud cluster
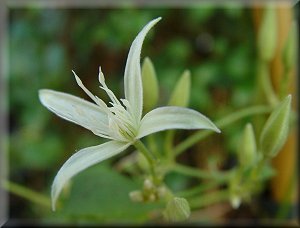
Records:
x=149, y=193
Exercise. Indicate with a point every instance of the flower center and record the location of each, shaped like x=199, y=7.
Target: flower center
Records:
x=121, y=121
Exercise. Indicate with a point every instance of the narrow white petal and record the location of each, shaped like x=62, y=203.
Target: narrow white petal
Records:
x=82, y=160
x=76, y=110
x=132, y=77
x=170, y=117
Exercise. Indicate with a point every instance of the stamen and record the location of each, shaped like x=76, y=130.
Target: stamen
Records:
x=79, y=82
x=120, y=110
x=110, y=94
x=101, y=76
x=130, y=111
x=121, y=115
x=115, y=129
x=105, y=88
x=102, y=104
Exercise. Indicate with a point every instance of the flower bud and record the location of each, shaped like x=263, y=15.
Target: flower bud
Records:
x=267, y=35
x=150, y=85
x=235, y=201
x=290, y=48
x=178, y=209
x=148, y=185
x=247, y=148
x=275, y=130
x=152, y=197
x=136, y=196
x=235, y=191
x=161, y=192
x=181, y=93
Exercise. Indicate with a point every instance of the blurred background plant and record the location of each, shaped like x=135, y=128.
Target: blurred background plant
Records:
x=222, y=49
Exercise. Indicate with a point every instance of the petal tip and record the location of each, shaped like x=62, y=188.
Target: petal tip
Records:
x=156, y=20
x=215, y=128
x=43, y=95
x=54, y=194
x=42, y=91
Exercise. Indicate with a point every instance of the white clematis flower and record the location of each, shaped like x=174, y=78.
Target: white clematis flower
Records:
x=121, y=122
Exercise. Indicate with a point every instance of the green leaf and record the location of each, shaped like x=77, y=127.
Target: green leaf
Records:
x=102, y=194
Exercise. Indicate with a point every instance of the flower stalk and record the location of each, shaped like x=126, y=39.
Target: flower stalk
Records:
x=152, y=160
x=222, y=123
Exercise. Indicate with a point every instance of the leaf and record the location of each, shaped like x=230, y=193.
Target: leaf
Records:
x=102, y=194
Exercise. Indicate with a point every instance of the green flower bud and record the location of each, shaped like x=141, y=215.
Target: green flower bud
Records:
x=275, y=131
x=247, y=148
x=235, y=190
x=151, y=197
x=181, y=93
x=161, y=192
x=150, y=85
x=178, y=209
x=267, y=35
x=290, y=48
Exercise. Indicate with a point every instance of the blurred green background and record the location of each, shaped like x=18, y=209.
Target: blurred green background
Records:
x=216, y=44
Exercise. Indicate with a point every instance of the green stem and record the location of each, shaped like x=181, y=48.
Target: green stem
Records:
x=189, y=171
x=284, y=84
x=152, y=144
x=149, y=156
x=222, y=123
x=27, y=194
x=266, y=83
x=198, y=189
x=169, y=145
x=209, y=199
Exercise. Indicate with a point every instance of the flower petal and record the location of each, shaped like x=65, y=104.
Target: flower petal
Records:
x=172, y=117
x=82, y=160
x=132, y=77
x=76, y=110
